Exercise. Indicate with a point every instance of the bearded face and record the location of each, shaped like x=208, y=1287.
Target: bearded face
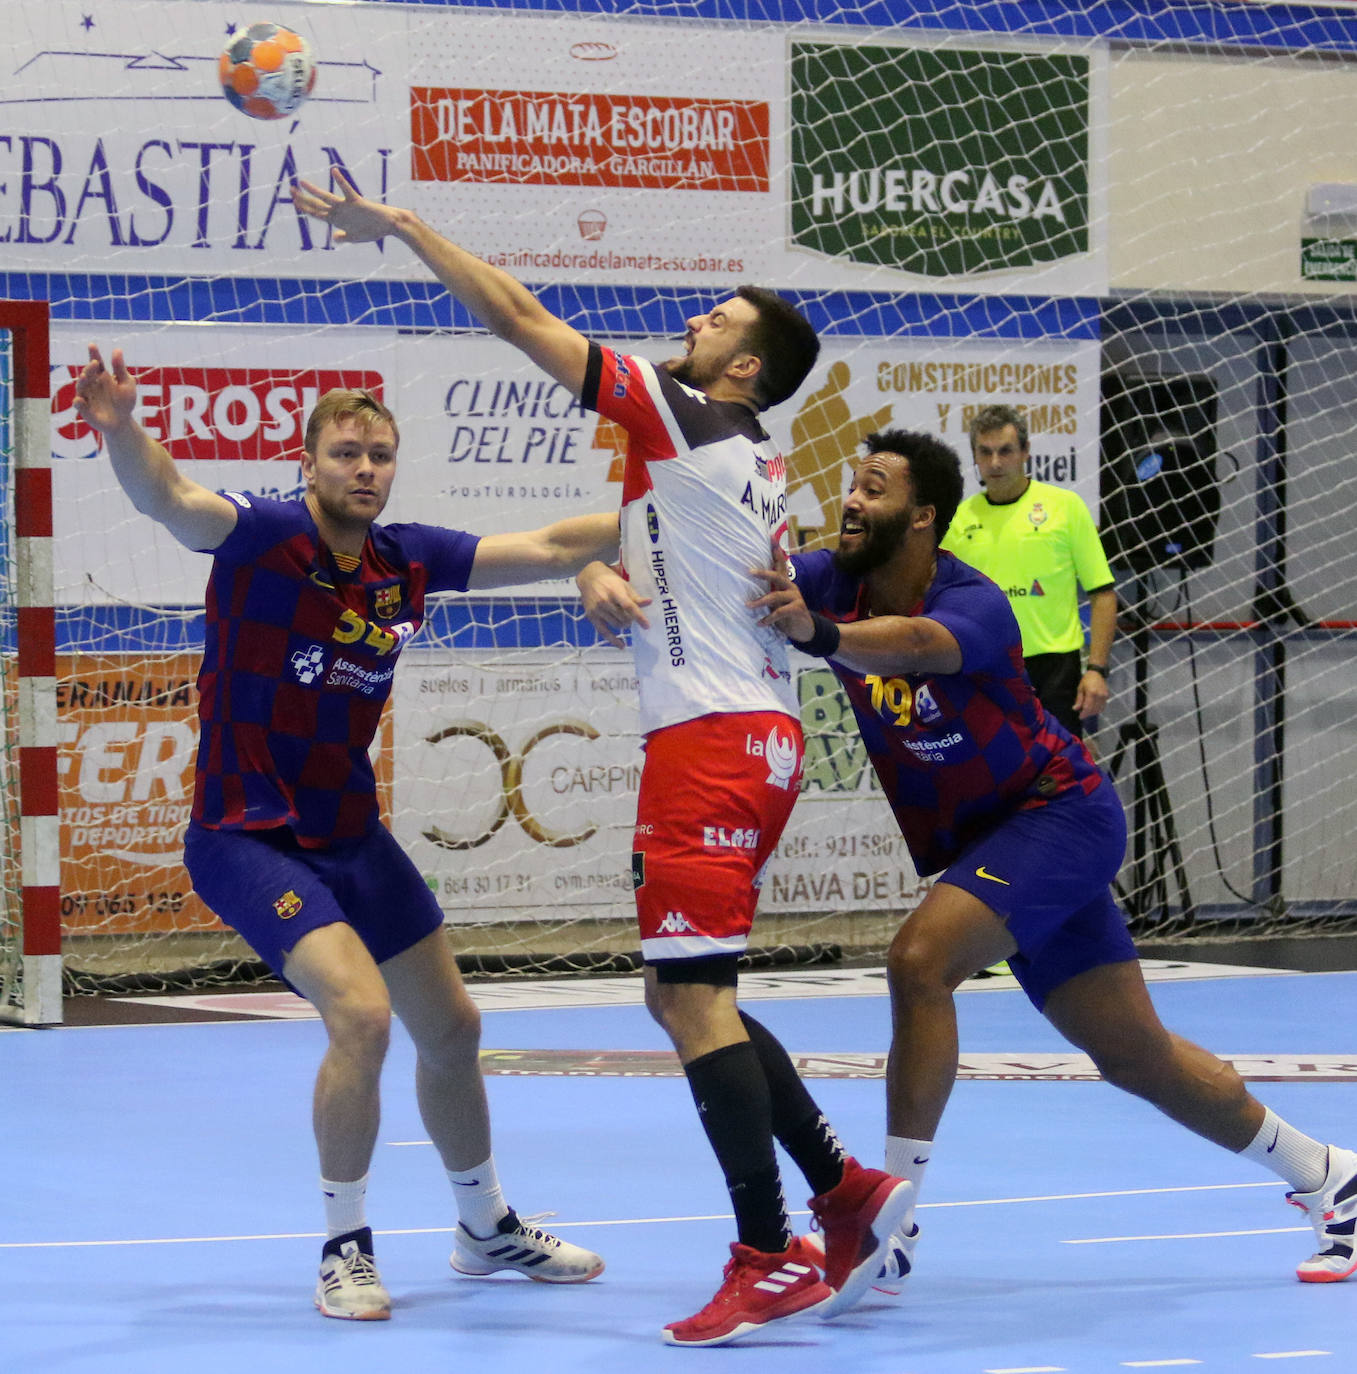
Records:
x=869, y=539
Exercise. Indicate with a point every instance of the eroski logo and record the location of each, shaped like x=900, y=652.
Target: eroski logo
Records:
x=781, y=755
x=247, y=414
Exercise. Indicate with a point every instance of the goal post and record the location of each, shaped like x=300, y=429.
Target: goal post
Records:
x=30, y=925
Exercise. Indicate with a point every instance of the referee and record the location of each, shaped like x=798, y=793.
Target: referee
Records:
x=1039, y=543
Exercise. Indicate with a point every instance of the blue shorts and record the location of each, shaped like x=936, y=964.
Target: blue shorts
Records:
x=1047, y=874
x=270, y=890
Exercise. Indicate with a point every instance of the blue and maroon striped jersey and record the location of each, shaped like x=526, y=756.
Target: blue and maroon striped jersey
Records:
x=298, y=662
x=956, y=753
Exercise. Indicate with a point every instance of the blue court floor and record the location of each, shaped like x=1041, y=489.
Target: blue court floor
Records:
x=159, y=1209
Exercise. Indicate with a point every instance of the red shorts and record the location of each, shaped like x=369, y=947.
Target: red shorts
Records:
x=715, y=795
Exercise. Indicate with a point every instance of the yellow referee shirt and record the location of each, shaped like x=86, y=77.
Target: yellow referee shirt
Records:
x=1040, y=549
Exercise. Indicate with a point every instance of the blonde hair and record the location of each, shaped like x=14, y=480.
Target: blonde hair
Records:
x=342, y=404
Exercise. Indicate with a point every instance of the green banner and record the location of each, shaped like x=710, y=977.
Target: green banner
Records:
x=1328, y=259
x=939, y=162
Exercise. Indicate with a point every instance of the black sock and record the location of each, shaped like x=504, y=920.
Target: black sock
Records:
x=735, y=1107
x=797, y=1122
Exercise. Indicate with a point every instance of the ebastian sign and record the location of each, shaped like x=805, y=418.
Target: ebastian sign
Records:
x=940, y=162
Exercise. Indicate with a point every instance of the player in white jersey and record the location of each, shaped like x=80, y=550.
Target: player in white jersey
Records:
x=704, y=491
x=704, y=498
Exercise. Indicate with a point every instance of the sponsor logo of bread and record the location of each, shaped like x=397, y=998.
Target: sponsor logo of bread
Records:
x=572, y=138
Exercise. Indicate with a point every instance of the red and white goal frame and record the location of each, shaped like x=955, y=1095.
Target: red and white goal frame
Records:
x=30, y=969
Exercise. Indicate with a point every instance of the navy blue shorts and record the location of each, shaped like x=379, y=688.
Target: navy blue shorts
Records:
x=1047, y=874
x=270, y=890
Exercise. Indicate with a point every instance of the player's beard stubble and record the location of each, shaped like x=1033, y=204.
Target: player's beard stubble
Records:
x=881, y=538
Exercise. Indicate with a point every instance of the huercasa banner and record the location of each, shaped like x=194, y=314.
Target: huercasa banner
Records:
x=940, y=162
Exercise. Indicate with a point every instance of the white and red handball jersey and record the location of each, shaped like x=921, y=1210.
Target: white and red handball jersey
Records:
x=704, y=499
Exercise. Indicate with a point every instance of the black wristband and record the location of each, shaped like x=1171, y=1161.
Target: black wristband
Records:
x=824, y=642
x=1099, y=668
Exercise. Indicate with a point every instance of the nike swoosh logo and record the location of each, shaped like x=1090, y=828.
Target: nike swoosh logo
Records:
x=1275, y=1134
x=924, y=1160
x=467, y=1183
x=980, y=873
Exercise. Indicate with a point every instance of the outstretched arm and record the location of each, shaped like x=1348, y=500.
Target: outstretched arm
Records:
x=105, y=399
x=553, y=551
x=885, y=644
x=502, y=304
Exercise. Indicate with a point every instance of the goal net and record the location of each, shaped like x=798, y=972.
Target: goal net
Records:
x=1131, y=223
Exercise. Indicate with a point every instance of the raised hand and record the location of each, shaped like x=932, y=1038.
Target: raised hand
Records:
x=354, y=218
x=105, y=398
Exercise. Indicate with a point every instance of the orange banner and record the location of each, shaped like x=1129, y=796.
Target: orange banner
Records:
x=128, y=731
x=552, y=138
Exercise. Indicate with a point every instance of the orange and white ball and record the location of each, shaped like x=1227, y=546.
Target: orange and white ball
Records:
x=267, y=71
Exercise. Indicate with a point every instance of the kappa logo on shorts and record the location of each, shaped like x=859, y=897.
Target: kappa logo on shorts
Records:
x=674, y=923
x=288, y=905
x=780, y=753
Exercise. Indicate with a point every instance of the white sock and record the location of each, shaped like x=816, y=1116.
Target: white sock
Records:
x=345, y=1206
x=1302, y=1162
x=480, y=1200
x=907, y=1158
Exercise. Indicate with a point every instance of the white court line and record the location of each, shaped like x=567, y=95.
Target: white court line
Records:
x=1288, y=1354
x=1029, y=1369
x=1155, y=1364
x=1048, y=1197
x=655, y=1221
x=1189, y=1235
x=320, y=1235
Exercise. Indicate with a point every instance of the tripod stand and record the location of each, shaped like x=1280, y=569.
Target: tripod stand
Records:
x=1155, y=853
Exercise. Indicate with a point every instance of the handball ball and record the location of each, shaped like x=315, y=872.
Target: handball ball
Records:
x=267, y=71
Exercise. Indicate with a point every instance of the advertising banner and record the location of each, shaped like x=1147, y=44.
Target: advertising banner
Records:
x=127, y=729
x=517, y=781
x=947, y=182
x=490, y=444
x=128, y=735
x=229, y=405
x=564, y=148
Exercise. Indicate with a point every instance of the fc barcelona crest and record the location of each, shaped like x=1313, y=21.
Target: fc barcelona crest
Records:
x=386, y=601
x=288, y=905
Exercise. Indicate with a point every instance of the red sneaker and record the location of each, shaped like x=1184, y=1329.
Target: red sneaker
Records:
x=757, y=1289
x=857, y=1217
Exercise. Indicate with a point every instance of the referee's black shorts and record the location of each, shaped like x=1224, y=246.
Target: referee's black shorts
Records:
x=1056, y=678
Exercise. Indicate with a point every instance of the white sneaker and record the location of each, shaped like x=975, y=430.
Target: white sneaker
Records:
x=349, y=1285
x=1332, y=1209
x=526, y=1250
x=890, y=1279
